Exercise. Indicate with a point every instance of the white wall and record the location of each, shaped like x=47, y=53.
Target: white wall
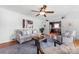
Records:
x=71, y=18
x=10, y=20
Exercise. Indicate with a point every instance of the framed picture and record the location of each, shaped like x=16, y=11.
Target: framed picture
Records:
x=27, y=24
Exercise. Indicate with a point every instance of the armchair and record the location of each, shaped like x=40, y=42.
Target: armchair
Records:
x=69, y=37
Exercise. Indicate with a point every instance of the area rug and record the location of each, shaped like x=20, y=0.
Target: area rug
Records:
x=61, y=49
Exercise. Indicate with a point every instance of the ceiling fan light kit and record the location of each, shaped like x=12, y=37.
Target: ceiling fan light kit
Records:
x=43, y=11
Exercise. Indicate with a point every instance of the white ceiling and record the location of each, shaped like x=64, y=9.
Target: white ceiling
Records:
x=26, y=9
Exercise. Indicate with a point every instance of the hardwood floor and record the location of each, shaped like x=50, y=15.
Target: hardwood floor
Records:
x=76, y=43
x=7, y=44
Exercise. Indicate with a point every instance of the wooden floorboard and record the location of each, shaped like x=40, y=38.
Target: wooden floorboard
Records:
x=7, y=44
x=76, y=43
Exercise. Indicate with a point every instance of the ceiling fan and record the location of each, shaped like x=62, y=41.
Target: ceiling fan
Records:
x=43, y=11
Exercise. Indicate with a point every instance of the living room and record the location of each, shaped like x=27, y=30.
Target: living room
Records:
x=12, y=16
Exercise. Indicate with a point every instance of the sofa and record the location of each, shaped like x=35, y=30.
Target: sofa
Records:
x=23, y=35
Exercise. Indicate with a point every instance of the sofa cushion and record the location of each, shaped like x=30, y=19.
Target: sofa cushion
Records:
x=19, y=32
x=29, y=32
x=24, y=32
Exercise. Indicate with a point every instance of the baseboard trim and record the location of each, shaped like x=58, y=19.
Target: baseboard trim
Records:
x=7, y=44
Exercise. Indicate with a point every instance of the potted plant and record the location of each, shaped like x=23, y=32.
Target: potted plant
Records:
x=42, y=30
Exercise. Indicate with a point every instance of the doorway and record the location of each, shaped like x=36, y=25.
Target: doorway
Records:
x=56, y=27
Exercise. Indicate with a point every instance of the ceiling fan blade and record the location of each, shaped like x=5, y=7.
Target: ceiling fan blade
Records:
x=35, y=11
x=37, y=14
x=49, y=11
x=45, y=15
